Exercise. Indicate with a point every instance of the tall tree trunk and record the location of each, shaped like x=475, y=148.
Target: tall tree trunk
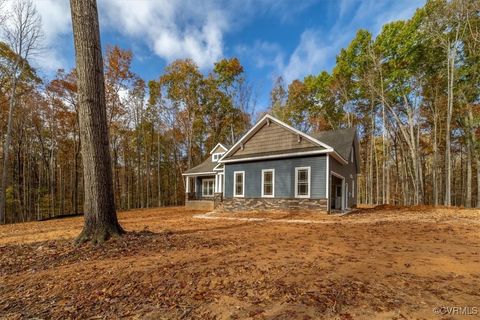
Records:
x=468, y=191
x=6, y=149
x=435, y=161
x=99, y=204
x=448, y=161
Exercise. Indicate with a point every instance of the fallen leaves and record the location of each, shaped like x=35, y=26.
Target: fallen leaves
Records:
x=184, y=268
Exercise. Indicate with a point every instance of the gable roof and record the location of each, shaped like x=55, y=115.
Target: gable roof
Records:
x=221, y=146
x=336, y=142
x=265, y=119
x=341, y=140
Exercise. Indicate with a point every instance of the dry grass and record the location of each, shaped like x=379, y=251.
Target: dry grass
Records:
x=386, y=262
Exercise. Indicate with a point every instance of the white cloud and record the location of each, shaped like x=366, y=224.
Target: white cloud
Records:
x=55, y=20
x=172, y=29
x=317, y=48
x=310, y=55
x=263, y=54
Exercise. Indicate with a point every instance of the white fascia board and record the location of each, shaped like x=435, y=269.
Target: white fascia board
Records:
x=252, y=129
x=260, y=122
x=283, y=155
x=219, y=144
x=198, y=174
x=217, y=168
x=339, y=157
x=312, y=139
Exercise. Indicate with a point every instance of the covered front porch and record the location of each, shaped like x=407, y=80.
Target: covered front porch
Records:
x=203, y=191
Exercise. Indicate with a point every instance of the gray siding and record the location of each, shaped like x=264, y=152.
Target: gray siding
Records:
x=348, y=171
x=284, y=176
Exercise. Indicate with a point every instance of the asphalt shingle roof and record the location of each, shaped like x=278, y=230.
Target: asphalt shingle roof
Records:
x=205, y=166
x=340, y=140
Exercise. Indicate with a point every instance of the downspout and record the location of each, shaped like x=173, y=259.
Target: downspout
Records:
x=327, y=182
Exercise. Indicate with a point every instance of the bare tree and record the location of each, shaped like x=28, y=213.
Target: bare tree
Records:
x=22, y=33
x=99, y=206
x=3, y=16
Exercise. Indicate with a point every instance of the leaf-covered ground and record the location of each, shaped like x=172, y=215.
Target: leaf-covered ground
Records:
x=378, y=263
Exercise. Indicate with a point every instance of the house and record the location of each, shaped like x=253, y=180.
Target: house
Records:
x=277, y=167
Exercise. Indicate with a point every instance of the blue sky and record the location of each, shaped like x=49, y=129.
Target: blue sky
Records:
x=270, y=37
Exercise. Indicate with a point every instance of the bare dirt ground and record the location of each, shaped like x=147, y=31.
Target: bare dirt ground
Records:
x=378, y=263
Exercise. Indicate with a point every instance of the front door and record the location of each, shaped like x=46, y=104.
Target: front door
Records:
x=337, y=193
x=208, y=187
x=338, y=196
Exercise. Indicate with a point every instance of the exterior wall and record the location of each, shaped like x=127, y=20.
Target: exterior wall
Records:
x=284, y=176
x=348, y=171
x=273, y=204
x=273, y=137
x=218, y=149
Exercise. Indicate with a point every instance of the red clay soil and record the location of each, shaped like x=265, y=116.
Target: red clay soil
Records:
x=389, y=263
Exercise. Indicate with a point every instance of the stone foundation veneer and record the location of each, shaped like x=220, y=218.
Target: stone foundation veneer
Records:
x=274, y=204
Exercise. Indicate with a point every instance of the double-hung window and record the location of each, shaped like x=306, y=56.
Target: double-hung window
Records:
x=268, y=183
x=302, y=182
x=238, y=183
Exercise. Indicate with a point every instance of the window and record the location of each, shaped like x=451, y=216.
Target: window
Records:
x=216, y=157
x=208, y=186
x=238, y=183
x=302, y=182
x=268, y=183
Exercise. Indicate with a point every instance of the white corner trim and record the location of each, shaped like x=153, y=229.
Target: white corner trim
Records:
x=273, y=183
x=235, y=183
x=327, y=177
x=309, y=169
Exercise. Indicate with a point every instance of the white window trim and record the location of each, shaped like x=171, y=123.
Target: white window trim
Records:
x=273, y=183
x=235, y=184
x=309, y=182
x=207, y=195
x=216, y=156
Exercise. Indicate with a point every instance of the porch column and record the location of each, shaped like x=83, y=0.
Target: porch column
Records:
x=187, y=184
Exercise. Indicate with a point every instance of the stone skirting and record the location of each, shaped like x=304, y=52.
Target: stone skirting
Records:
x=218, y=201
x=274, y=204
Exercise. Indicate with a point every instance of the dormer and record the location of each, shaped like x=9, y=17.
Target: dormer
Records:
x=217, y=156
x=217, y=152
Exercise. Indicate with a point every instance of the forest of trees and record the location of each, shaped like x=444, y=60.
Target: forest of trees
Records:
x=413, y=91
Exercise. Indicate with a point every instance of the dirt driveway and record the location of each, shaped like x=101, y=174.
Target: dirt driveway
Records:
x=386, y=263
